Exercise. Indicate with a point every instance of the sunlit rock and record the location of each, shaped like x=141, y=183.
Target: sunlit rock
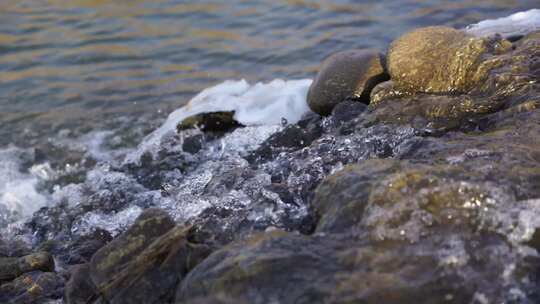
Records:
x=439, y=60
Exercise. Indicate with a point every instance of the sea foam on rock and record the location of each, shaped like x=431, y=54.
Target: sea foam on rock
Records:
x=515, y=25
x=259, y=104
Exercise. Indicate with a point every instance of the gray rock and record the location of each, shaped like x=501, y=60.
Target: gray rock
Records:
x=80, y=289
x=11, y=268
x=347, y=74
x=144, y=264
x=31, y=288
x=280, y=267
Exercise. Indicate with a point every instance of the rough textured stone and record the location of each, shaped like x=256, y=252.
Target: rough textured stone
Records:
x=279, y=267
x=506, y=80
x=110, y=259
x=33, y=287
x=80, y=289
x=145, y=263
x=439, y=60
x=347, y=74
x=11, y=268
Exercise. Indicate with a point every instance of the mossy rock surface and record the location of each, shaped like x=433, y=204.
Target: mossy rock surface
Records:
x=32, y=287
x=144, y=264
x=10, y=268
x=211, y=121
x=440, y=60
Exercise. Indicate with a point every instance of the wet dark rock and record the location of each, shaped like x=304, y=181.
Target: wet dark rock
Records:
x=11, y=268
x=346, y=111
x=144, y=264
x=231, y=179
x=341, y=198
x=13, y=248
x=345, y=269
x=213, y=121
x=193, y=144
x=33, y=287
x=150, y=225
x=292, y=138
x=83, y=248
x=80, y=289
x=347, y=74
x=215, y=299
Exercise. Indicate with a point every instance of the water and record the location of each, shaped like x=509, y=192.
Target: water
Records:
x=99, y=64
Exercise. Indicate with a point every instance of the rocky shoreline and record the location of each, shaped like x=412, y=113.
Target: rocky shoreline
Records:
x=418, y=181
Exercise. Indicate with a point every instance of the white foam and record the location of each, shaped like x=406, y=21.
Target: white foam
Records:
x=517, y=24
x=258, y=104
x=113, y=223
x=19, y=197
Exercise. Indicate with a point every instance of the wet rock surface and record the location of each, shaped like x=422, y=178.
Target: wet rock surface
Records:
x=416, y=198
x=32, y=287
x=11, y=268
x=143, y=264
x=440, y=60
x=347, y=74
x=215, y=121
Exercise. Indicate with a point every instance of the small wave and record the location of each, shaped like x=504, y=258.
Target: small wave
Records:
x=259, y=104
x=19, y=197
x=517, y=24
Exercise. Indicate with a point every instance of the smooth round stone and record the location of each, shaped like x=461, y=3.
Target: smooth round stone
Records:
x=346, y=75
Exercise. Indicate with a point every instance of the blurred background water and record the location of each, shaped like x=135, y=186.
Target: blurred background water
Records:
x=75, y=66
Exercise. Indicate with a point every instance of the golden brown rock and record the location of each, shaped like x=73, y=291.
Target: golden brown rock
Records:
x=439, y=60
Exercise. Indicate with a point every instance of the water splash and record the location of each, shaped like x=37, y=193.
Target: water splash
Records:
x=517, y=24
x=258, y=104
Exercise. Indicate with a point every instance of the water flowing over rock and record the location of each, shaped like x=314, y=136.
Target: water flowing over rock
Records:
x=511, y=27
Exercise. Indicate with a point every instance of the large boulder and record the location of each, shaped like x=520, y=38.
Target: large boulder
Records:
x=440, y=60
x=280, y=267
x=80, y=289
x=144, y=264
x=347, y=74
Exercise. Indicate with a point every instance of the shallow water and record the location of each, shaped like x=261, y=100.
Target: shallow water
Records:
x=87, y=65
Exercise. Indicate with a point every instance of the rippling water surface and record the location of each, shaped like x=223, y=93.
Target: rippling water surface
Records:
x=97, y=64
